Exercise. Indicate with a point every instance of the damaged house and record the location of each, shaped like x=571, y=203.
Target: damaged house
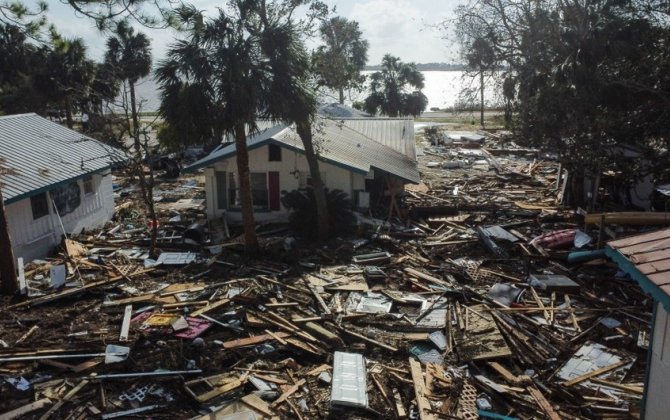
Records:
x=367, y=158
x=54, y=180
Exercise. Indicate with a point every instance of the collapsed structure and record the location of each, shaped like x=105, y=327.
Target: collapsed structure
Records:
x=490, y=301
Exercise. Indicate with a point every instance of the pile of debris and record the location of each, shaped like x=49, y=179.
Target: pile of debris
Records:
x=491, y=302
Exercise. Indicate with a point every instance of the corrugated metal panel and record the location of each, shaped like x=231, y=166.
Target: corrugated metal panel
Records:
x=398, y=134
x=349, y=387
x=337, y=144
x=40, y=153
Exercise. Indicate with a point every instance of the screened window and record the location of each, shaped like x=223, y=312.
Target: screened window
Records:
x=39, y=205
x=89, y=187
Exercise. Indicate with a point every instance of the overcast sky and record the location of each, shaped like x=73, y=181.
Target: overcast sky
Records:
x=404, y=28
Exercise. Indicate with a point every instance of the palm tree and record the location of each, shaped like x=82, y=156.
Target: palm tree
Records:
x=130, y=54
x=390, y=89
x=66, y=73
x=246, y=65
x=292, y=100
x=223, y=60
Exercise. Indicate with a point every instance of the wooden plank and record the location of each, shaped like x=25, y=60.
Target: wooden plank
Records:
x=629, y=218
x=318, y=298
x=588, y=375
x=419, y=390
x=255, y=402
x=211, y=307
x=134, y=299
x=23, y=410
x=288, y=393
x=399, y=408
x=71, y=292
x=65, y=399
x=369, y=340
x=317, y=370
x=276, y=337
x=506, y=374
x=543, y=403
x=243, y=342
x=573, y=318
x=418, y=274
x=539, y=303
x=125, y=325
x=217, y=390
x=622, y=387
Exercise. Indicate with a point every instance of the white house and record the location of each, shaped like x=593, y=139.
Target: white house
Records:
x=363, y=157
x=53, y=180
x=646, y=258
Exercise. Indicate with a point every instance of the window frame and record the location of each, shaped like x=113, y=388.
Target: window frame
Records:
x=43, y=205
x=88, y=185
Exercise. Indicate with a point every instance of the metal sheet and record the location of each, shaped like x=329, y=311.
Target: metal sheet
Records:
x=349, y=380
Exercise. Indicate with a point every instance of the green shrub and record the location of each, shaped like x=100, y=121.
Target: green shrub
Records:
x=303, y=217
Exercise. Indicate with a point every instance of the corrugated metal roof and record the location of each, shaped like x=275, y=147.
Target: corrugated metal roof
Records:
x=336, y=143
x=398, y=134
x=37, y=154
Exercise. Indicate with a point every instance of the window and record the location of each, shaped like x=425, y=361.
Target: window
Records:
x=39, y=205
x=66, y=198
x=274, y=153
x=259, y=190
x=89, y=187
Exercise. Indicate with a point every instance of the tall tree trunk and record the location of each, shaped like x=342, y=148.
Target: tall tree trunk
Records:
x=250, y=238
x=68, y=111
x=145, y=190
x=341, y=90
x=8, y=283
x=304, y=129
x=481, y=97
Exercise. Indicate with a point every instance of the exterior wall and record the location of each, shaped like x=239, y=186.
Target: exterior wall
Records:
x=657, y=403
x=292, y=168
x=33, y=239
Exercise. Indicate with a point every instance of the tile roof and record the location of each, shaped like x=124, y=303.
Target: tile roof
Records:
x=37, y=154
x=336, y=143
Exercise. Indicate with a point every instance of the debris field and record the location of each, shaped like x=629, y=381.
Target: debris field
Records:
x=490, y=300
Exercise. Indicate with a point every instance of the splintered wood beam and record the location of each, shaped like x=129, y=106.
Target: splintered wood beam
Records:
x=419, y=390
x=399, y=408
x=418, y=274
x=588, y=375
x=543, y=403
x=288, y=393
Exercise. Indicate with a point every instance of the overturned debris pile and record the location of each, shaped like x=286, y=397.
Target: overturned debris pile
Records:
x=472, y=309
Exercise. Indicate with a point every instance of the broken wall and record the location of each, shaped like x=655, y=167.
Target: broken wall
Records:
x=35, y=238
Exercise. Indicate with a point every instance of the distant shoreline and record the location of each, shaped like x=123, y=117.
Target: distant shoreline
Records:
x=428, y=67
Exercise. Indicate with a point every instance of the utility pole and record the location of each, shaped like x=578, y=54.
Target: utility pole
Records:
x=8, y=283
